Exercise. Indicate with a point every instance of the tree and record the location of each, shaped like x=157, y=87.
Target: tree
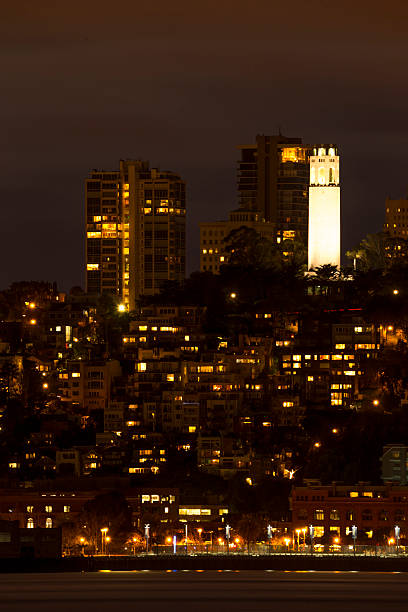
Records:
x=370, y=254
x=247, y=248
x=325, y=273
x=250, y=528
x=109, y=510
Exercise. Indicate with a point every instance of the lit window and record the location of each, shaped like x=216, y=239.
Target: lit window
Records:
x=48, y=523
x=30, y=509
x=67, y=508
x=30, y=523
x=48, y=508
x=141, y=367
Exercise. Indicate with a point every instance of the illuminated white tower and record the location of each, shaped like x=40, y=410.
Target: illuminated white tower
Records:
x=324, y=208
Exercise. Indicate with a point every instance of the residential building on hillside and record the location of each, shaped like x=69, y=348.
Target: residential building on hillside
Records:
x=135, y=230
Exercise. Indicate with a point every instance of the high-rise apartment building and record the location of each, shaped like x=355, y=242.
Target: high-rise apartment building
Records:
x=135, y=230
x=273, y=178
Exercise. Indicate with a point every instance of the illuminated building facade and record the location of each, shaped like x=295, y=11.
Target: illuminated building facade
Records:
x=135, y=224
x=332, y=510
x=324, y=207
x=273, y=179
x=396, y=218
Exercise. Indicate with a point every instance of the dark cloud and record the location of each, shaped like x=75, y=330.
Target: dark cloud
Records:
x=182, y=83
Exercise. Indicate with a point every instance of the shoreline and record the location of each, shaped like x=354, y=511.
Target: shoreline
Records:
x=207, y=562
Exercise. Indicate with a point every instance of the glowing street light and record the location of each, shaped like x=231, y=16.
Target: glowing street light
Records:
x=227, y=535
x=121, y=308
x=82, y=541
x=317, y=445
x=376, y=402
x=396, y=292
x=354, y=536
x=104, y=531
x=233, y=295
x=147, y=534
x=397, y=531
x=311, y=534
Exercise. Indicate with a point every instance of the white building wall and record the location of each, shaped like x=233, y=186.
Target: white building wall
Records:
x=324, y=210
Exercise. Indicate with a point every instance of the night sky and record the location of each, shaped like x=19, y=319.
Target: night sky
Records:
x=181, y=83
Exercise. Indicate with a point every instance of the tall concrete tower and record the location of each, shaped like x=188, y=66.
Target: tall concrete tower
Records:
x=324, y=207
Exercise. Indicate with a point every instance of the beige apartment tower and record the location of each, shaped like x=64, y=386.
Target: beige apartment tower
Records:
x=396, y=218
x=213, y=234
x=135, y=230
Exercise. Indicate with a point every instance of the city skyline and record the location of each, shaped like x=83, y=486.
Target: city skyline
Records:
x=203, y=85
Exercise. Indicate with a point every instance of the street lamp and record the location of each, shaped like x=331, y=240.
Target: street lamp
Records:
x=397, y=531
x=227, y=535
x=354, y=536
x=104, y=531
x=311, y=534
x=147, y=533
x=297, y=531
x=269, y=532
x=107, y=540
